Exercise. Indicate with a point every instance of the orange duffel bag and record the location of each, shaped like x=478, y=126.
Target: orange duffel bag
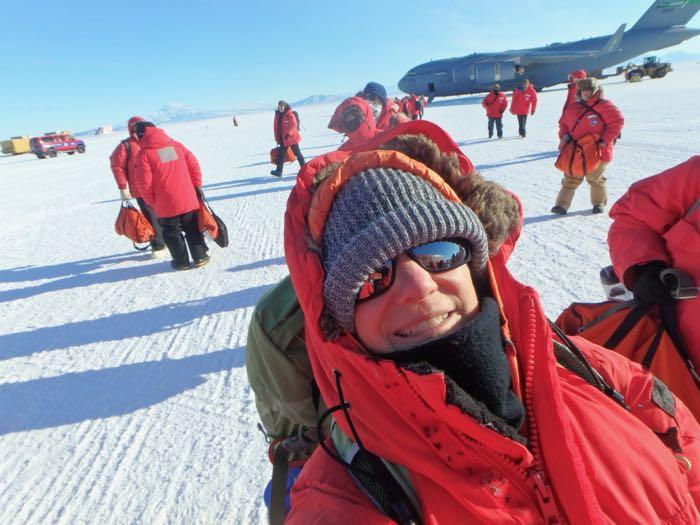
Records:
x=210, y=222
x=134, y=225
x=288, y=156
x=579, y=157
x=647, y=335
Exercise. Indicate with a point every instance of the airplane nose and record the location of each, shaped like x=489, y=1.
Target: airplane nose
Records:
x=402, y=84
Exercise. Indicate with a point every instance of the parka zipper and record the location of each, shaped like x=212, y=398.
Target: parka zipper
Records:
x=543, y=492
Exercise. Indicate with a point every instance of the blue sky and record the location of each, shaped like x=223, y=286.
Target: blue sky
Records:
x=77, y=65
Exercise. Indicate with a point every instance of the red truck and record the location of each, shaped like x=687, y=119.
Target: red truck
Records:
x=52, y=144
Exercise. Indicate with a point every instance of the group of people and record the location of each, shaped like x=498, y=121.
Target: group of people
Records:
x=524, y=103
x=165, y=179
x=586, y=112
x=433, y=358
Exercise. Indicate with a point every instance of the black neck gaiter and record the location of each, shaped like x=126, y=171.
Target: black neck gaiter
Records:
x=474, y=359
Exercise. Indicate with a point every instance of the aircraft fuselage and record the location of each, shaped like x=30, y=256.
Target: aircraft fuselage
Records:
x=478, y=72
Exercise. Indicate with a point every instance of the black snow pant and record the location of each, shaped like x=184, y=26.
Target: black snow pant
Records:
x=522, y=120
x=173, y=227
x=158, y=243
x=499, y=126
x=281, y=152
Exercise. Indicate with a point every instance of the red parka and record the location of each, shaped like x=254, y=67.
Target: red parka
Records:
x=122, y=161
x=286, y=127
x=600, y=118
x=167, y=174
x=571, y=90
x=588, y=461
x=390, y=117
x=495, y=105
x=354, y=111
x=524, y=101
x=658, y=219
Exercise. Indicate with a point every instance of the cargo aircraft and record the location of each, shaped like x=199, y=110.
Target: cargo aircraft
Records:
x=663, y=25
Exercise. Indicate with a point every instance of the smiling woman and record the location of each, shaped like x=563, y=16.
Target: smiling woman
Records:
x=436, y=356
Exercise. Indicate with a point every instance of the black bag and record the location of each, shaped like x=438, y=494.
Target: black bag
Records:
x=221, y=230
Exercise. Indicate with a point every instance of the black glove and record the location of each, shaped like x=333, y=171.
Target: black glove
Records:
x=199, y=192
x=649, y=288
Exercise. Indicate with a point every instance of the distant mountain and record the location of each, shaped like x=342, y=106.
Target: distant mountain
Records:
x=176, y=112
x=319, y=99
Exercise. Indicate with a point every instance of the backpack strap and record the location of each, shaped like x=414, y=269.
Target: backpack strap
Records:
x=570, y=357
x=127, y=147
x=586, y=111
x=668, y=321
x=386, y=484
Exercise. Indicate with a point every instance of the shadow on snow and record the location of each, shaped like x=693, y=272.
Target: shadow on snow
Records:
x=553, y=216
x=80, y=280
x=52, y=271
x=532, y=157
x=97, y=394
x=123, y=326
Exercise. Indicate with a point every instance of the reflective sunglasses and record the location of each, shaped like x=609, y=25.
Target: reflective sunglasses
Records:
x=434, y=257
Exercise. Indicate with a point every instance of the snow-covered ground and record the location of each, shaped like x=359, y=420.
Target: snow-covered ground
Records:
x=123, y=393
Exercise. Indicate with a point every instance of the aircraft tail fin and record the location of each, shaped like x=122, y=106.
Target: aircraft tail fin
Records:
x=668, y=13
x=613, y=43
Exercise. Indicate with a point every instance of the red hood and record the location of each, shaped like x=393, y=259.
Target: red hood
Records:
x=407, y=403
x=132, y=121
x=579, y=74
x=154, y=138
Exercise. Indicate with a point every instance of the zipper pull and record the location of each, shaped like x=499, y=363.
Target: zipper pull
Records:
x=545, y=499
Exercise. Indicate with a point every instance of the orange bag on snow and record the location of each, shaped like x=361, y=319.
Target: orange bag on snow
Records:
x=641, y=335
x=579, y=157
x=288, y=156
x=133, y=224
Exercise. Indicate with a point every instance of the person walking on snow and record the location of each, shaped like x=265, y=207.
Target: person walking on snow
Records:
x=286, y=129
x=170, y=180
x=524, y=102
x=122, y=162
x=591, y=114
x=431, y=355
x=495, y=104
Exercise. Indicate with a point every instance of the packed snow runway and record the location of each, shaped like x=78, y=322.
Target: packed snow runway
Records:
x=123, y=392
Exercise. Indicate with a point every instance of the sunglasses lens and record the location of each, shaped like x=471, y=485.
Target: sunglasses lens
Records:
x=377, y=282
x=441, y=256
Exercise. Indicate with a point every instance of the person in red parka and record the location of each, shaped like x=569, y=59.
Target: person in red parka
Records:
x=286, y=128
x=574, y=77
x=656, y=225
x=432, y=356
x=495, y=104
x=386, y=113
x=591, y=114
x=122, y=161
x=170, y=181
x=524, y=102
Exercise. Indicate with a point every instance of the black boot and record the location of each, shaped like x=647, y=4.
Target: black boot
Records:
x=598, y=208
x=558, y=210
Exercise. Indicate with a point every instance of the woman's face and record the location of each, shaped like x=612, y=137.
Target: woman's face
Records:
x=586, y=94
x=280, y=107
x=419, y=307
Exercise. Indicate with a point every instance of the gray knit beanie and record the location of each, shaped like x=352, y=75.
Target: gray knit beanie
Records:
x=378, y=214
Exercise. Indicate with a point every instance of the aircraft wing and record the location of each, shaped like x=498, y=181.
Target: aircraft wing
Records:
x=526, y=57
